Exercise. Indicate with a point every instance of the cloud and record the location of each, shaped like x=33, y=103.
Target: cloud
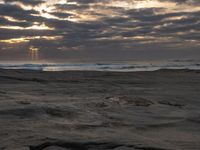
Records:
x=92, y=28
x=26, y=2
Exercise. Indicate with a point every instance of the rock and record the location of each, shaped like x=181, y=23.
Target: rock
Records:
x=24, y=102
x=128, y=101
x=55, y=148
x=124, y=148
x=175, y=104
x=19, y=148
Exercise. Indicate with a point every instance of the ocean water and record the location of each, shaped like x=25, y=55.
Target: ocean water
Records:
x=110, y=66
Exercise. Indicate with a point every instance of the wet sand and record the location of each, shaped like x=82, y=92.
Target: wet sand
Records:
x=89, y=110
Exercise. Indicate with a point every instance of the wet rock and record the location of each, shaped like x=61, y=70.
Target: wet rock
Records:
x=127, y=101
x=175, y=104
x=23, y=102
x=55, y=148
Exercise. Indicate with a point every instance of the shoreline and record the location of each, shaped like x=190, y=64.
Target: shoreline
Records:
x=158, y=70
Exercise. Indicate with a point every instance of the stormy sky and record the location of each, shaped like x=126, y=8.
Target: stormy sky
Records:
x=99, y=30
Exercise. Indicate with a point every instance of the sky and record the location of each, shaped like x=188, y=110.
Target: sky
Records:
x=99, y=30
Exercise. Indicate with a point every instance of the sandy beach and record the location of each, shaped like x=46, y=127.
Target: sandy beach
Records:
x=88, y=110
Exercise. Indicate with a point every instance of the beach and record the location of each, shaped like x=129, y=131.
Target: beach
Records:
x=97, y=110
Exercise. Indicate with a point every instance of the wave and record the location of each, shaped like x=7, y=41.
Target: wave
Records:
x=124, y=67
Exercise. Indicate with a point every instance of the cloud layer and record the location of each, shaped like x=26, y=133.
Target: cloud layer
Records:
x=68, y=30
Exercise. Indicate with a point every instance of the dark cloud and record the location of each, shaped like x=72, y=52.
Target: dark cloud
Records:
x=27, y=2
x=94, y=28
x=17, y=12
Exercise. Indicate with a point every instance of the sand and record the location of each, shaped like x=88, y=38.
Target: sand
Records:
x=79, y=110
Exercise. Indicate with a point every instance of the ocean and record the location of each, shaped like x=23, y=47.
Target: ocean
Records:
x=108, y=66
